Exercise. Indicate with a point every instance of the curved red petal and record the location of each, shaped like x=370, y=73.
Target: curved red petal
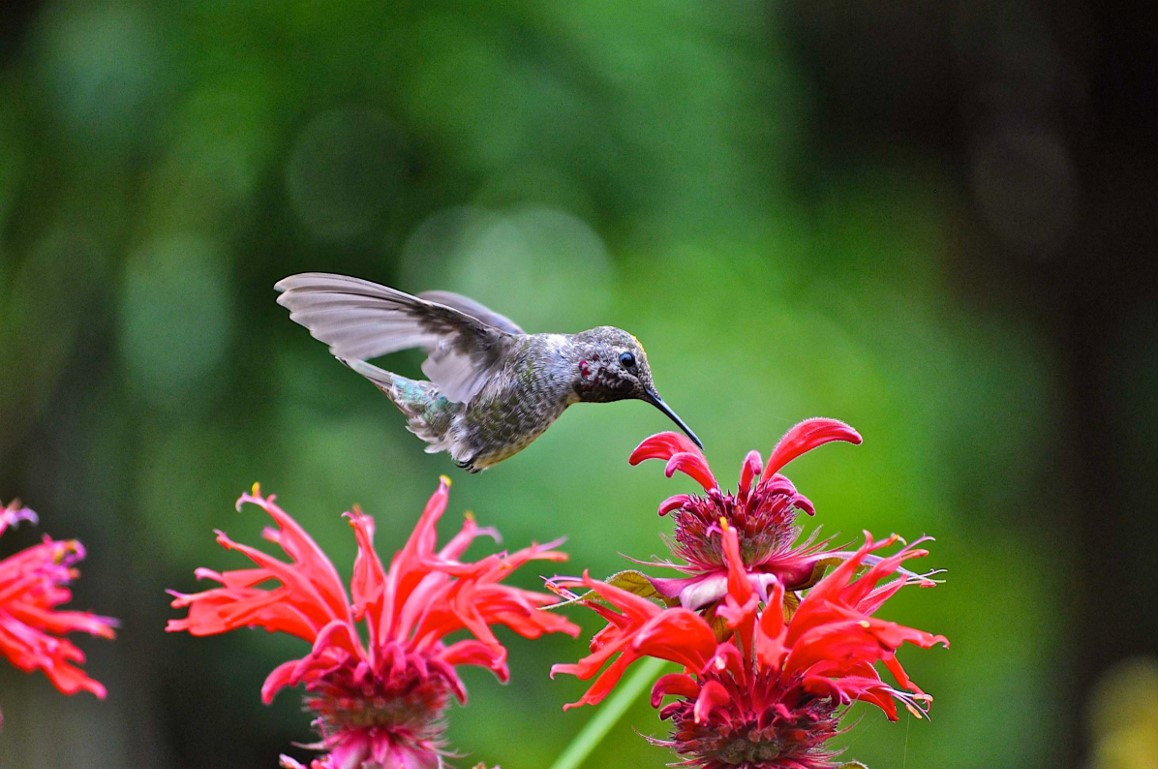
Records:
x=677, y=635
x=411, y=565
x=806, y=436
x=603, y=685
x=739, y=587
x=712, y=695
x=662, y=446
x=749, y=470
x=673, y=503
x=472, y=652
x=369, y=577
x=673, y=685
x=694, y=466
x=279, y=678
x=769, y=641
x=311, y=577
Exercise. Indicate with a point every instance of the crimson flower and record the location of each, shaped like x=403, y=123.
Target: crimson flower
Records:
x=772, y=692
x=379, y=702
x=33, y=583
x=762, y=511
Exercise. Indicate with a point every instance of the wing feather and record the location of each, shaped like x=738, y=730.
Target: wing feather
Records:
x=468, y=306
x=360, y=320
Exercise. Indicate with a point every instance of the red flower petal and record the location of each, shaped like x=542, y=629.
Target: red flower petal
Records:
x=769, y=641
x=673, y=685
x=677, y=635
x=712, y=695
x=472, y=652
x=603, y=685
x=806, y=436
x=694, y=466
x=369, y=579
x=740, y=603
x=641, y=629
x=662, y=446
x=749, y=470
x=673, y=503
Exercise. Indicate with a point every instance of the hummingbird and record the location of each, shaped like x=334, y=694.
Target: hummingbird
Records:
x=493, y=388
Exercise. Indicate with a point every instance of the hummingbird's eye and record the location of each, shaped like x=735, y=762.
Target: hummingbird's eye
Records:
x=627, y=360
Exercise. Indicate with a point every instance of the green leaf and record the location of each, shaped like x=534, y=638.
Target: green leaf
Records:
x=634, y=582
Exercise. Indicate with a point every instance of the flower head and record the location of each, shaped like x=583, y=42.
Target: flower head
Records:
x=380, y=702
x=771, y=693
x=762, y=511
x=33, y=583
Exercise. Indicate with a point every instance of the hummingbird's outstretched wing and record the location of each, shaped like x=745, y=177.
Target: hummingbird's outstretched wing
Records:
x=465, y=304
x=361, y=320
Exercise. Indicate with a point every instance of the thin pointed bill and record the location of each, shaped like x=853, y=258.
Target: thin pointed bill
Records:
x=653, y=398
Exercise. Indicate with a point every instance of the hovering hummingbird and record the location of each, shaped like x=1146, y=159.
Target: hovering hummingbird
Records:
x=493, y=387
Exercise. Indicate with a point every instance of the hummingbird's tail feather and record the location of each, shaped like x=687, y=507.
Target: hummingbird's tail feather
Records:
x=382, y=378
x=429, y=414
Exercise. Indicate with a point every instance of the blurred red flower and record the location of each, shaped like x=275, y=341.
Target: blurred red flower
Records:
x=33, y=583
x=762, y=512
x=380, y=702
x=771, y=691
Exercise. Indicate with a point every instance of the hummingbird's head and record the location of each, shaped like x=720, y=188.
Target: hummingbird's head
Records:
x=612, y=366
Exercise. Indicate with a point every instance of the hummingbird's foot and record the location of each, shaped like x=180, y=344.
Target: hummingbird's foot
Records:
x=468, y=465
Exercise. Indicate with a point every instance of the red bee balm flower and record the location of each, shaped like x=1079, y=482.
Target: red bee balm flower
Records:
x=772, y=692
x=380, y=703
x=33, y=583
x=762, y=511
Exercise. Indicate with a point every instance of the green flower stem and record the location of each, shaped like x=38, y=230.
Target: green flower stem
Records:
x=609, y=714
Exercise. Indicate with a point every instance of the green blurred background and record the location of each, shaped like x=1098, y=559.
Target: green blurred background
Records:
x=932, y=220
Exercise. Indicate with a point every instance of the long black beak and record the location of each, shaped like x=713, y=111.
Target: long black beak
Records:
x=654, y=399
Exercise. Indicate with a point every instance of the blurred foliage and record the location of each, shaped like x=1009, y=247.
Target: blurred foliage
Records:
x=1123, y=715
x=571, y=165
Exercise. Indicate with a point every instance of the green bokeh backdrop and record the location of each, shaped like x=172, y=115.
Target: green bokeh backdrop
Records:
x=571, y=165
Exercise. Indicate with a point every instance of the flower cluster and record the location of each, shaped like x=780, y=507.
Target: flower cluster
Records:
x=33, y=583
x=378, y=703
x=776, y=634
x=772, y=651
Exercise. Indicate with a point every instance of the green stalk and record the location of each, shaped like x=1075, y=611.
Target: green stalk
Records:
x=609, y=714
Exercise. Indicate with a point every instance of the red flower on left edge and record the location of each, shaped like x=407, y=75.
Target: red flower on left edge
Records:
x=33, y=583
x=379, y=702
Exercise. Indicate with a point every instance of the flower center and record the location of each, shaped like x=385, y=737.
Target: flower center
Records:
x=764, y=519
x=413, y=710
x=740, y=750
x=402, y=702
x=765, y=722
